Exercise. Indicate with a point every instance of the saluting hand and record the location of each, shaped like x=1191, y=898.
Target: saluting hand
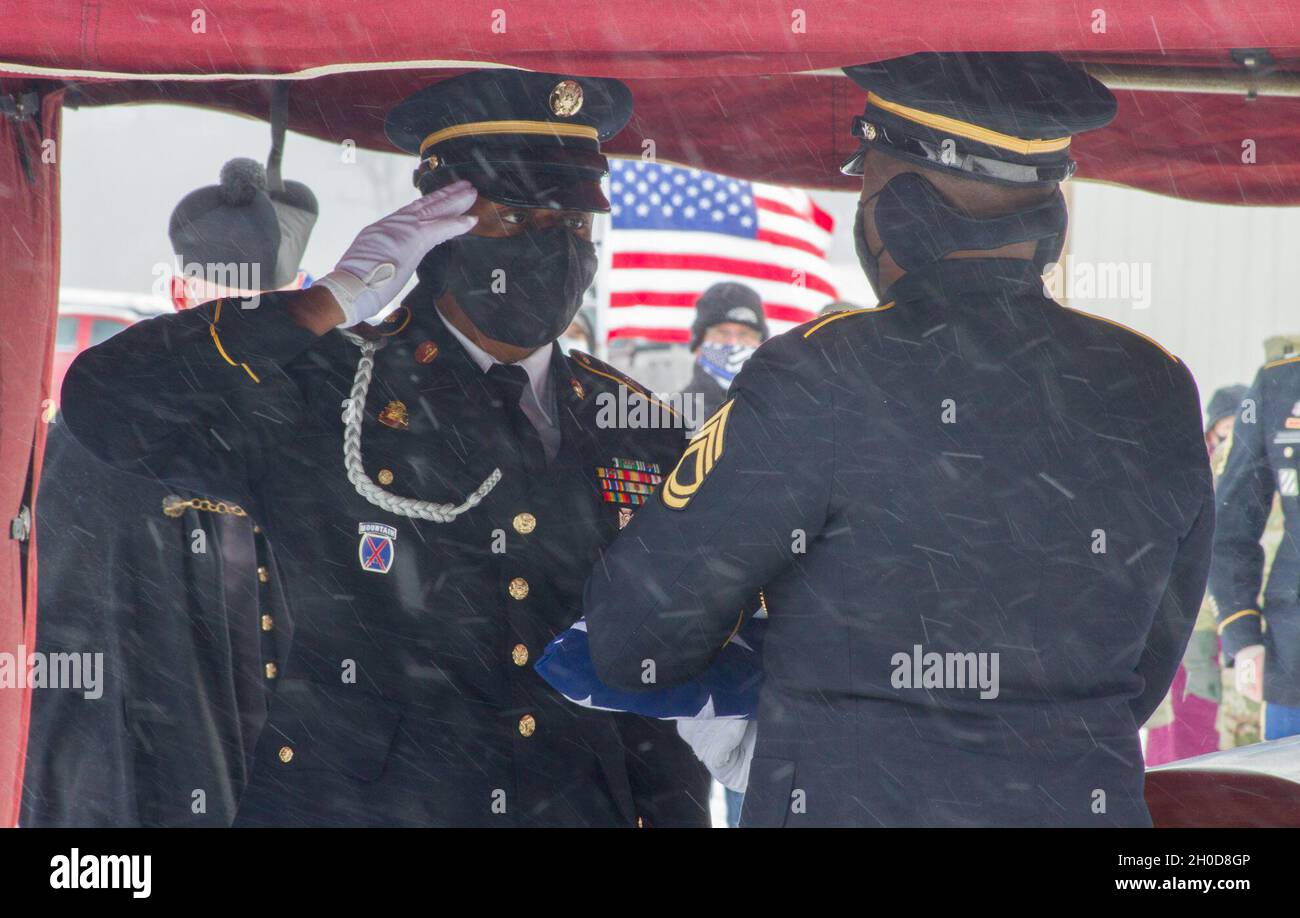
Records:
x=385, y=254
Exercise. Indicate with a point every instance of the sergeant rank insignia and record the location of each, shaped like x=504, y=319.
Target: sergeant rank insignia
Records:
x=628, y=481
x=702, y=454
x=376, y=549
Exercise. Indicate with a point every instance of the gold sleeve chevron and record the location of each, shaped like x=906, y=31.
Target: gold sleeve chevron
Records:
x=702, y=454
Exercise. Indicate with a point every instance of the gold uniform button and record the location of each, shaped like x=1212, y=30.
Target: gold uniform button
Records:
x=263, y=575
x=286, y=754
x=518, y=588
x=519, y=653
x=1288, y=452
x=527, y=725
x=524, y=523
x=272, y=670
x=268, y=623
x=257, y=530
x=385, y=477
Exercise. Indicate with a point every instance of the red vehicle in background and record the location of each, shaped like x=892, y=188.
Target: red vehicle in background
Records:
x=87, y=317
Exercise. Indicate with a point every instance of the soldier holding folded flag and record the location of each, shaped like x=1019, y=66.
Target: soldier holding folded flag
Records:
x=1012, y=493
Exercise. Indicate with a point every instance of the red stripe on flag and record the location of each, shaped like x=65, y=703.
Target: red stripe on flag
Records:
x=822, y=218
x=778, y=207
x=732, y=266
x=674, y=335
x=779, y=311
x=650, y=298
x=796, y=314
x=793, y=242
x=818, y=216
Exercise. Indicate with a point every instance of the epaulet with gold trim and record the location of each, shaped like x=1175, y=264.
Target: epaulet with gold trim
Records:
x=807, y=329
x=1132, y=331
x=1282, y=362
x=598, y=367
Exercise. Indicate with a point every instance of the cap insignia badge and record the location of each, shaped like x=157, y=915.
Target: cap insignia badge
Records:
x=566, y=98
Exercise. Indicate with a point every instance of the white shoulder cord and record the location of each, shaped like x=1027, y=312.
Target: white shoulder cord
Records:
x=354, y=408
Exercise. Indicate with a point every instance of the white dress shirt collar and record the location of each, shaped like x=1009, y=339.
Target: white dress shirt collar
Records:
x=537, y=365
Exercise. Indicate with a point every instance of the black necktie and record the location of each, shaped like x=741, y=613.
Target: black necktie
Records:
x=506, y=382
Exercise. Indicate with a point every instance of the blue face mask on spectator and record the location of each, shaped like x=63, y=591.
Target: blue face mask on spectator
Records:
x=723, y=361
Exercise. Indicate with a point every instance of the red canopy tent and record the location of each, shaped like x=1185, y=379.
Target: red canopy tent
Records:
x=1209, y=96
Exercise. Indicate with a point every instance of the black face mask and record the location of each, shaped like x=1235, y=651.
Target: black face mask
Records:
x=522, y=290
x=919, y=228
x=869, y=260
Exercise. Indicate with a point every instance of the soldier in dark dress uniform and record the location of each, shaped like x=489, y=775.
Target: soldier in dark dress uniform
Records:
x=1259, y=621
x=979, y=522
x=178, y=590
x=436, y=487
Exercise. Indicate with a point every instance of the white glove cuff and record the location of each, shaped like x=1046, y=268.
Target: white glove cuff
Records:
x=359, y=298
x=346, y=288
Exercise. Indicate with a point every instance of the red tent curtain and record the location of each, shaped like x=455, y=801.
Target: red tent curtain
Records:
x=793, y=129
x=29, y=285
x=624, y=38
x=726, y=87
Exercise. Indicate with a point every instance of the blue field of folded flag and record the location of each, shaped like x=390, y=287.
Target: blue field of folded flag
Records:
x=729, y=688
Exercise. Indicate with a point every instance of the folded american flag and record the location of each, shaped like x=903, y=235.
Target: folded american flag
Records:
x=727, y=689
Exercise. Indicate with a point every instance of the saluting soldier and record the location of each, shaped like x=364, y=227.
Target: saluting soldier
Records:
x=1259, y=621
x=177, y=590
x=436, y=487
x=979, y=522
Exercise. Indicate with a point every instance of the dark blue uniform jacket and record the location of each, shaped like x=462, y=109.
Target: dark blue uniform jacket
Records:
x=967, y=470
x=188, y=614
x=1263, y=461
x=408, y=696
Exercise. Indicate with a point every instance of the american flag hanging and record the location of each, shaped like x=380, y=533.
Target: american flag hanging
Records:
x=676, y=231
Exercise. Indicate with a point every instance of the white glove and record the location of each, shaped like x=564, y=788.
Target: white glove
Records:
x=385, y=254
x=1248, y=665
x=725, y=746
